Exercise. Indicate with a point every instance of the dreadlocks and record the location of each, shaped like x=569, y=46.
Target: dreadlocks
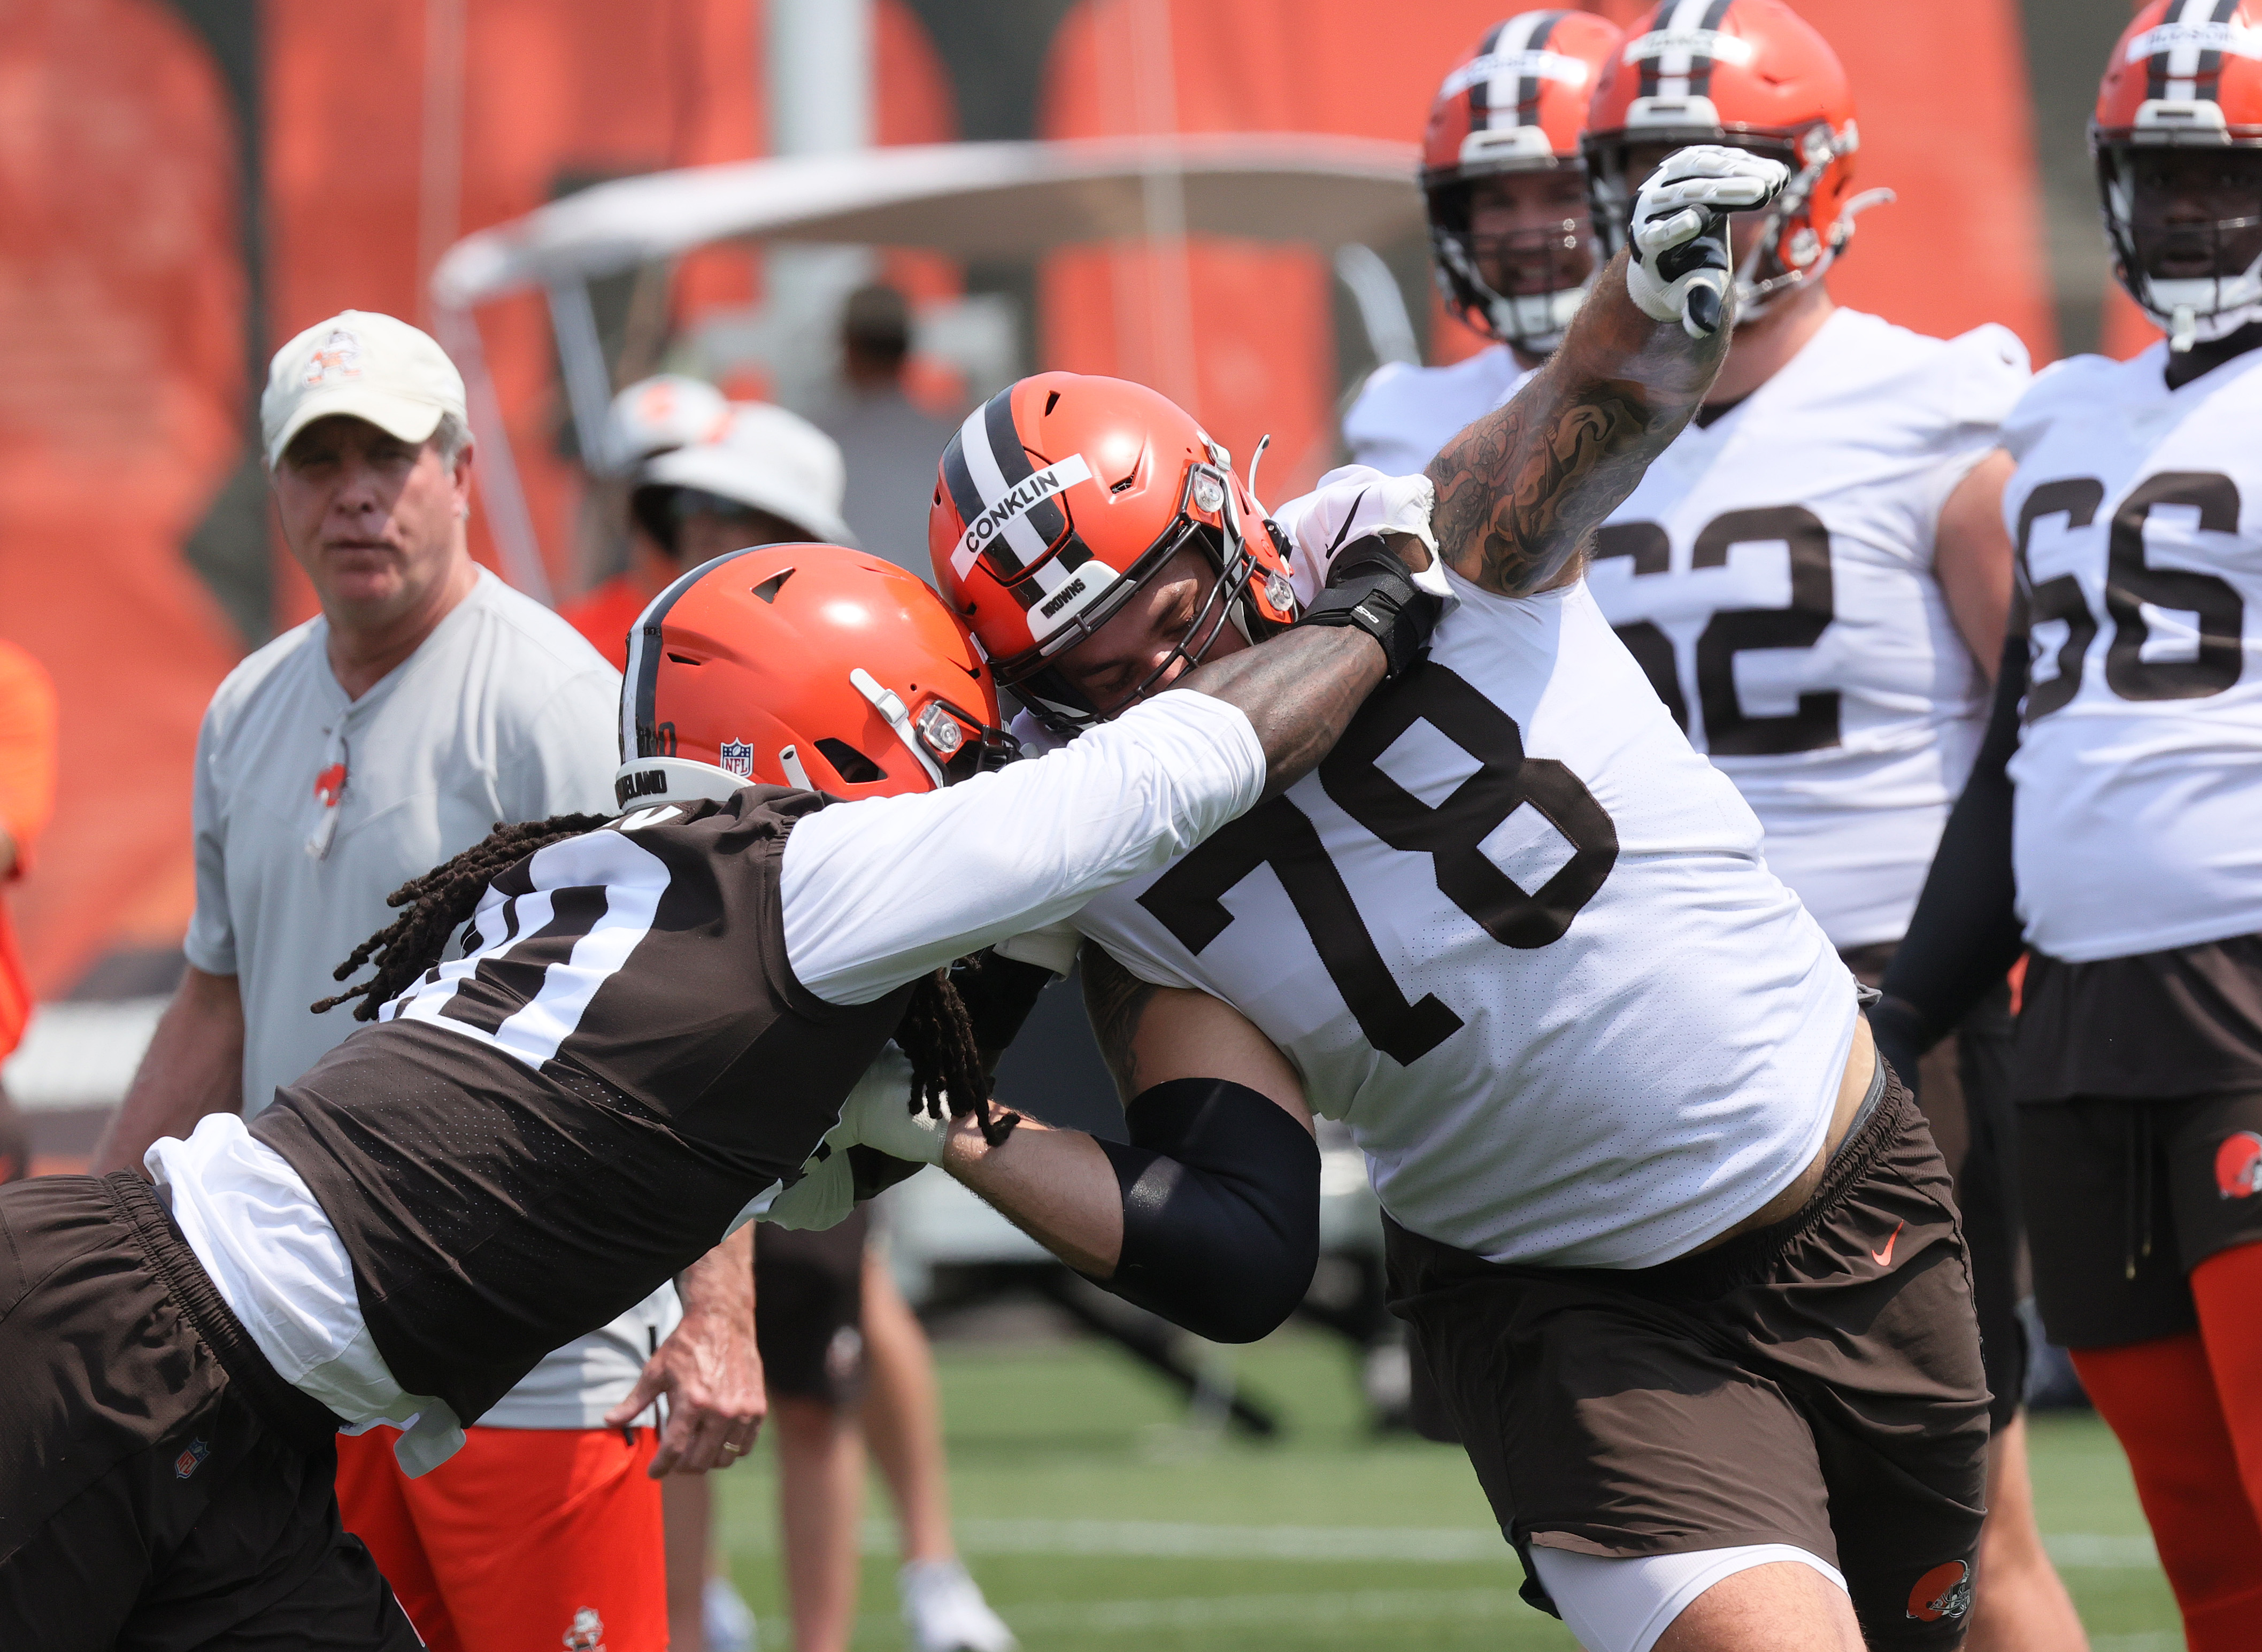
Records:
x=936, y=1032
x=947, y=1064
x=437, y=902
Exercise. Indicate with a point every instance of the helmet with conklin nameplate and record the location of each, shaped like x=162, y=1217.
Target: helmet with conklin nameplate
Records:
x=1062, y=496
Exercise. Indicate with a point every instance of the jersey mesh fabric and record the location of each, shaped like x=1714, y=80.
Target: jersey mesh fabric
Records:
x=1773, y=571
x=1607, y=1091
x=1404, y=414
x=2139, y=767
x=583, y=1103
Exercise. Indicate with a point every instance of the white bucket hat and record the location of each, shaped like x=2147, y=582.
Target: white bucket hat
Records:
x=770, y=459
x=652, y=415
x=363, y=365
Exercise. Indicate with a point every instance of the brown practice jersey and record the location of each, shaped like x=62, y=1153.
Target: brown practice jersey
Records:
x=584, y=1101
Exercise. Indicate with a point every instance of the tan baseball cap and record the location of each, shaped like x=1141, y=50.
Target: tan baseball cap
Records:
x=364, y=366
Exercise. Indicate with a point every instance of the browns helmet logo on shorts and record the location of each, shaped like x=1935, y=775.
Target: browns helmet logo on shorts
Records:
x=2238, y=1165
x=1945, y=1592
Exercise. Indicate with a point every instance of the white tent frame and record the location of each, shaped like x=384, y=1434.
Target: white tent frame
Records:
x=970, y=200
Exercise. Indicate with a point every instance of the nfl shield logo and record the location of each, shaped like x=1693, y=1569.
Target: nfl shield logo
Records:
x=738, y=757
x=191, y=1459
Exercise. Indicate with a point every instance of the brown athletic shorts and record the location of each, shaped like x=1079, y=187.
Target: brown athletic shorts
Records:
x=2186, y=1021
x=1963, y=1087
x=809, y=1309
x=1816, y=1382
x=2125, y=1198
x=160, y=1488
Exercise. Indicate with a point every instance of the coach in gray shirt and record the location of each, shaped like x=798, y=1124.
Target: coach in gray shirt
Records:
x=426, y=703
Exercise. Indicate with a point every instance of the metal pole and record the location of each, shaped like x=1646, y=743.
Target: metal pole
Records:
x=588, y=382
x=494, y=471
x=440, y=169
x=820, y=100
x=1162, y=204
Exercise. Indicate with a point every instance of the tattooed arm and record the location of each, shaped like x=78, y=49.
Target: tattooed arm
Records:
x=1520, y=491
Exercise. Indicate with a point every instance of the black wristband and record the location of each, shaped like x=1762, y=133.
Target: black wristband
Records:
x=1370, y=588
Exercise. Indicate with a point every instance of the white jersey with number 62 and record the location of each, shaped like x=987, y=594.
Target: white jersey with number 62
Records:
x=2137, y=515
x=1519, y=938
x=1773, y=572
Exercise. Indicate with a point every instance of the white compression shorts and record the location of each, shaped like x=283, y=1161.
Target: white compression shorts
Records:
x=1624, y=1605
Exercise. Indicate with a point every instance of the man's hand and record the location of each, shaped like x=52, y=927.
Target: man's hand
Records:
x=707, y=1368
x=1679, y=269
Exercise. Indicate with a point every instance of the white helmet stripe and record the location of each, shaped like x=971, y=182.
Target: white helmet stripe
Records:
x=989, y=477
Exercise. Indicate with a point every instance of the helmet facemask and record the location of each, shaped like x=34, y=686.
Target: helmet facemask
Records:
x=1058, y=703
x=2185, y=221
x=1521, y=286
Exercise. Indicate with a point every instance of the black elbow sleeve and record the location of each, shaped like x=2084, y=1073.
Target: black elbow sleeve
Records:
x=1965, y=932
x=1221, y=1208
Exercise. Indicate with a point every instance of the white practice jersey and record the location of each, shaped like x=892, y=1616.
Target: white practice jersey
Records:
x=2137, y=512
x=1519, y=938
x=1403, y=414
x=1773, y=574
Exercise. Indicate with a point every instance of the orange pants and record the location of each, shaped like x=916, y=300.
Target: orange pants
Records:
x=527, y=1539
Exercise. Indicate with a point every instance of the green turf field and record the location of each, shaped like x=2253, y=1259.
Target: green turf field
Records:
x=1095, y=1518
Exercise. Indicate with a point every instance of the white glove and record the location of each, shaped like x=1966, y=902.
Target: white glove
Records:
x=823, y=1197
x=878, y=1115
x=1679, y=269
x=1356, y=502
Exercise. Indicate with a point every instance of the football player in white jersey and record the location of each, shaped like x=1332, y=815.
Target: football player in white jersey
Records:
x=1511, y=244
x=1680, y=1254
x=1814, y=576
x=2113, y=824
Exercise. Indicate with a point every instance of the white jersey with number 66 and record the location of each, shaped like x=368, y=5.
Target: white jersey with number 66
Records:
x=2137, y=515
x=1518, y=937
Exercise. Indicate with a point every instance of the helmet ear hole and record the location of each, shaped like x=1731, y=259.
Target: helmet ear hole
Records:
x=851, y=765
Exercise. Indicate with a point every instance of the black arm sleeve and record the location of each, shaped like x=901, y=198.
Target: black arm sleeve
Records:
x=1965, y=933
x=1221, y=1208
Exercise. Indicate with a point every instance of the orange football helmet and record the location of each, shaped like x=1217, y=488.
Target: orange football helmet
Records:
x=1064, y=493
x=1752, y=74
x=804, y=665
x=1515, y=104
x=2177, y=143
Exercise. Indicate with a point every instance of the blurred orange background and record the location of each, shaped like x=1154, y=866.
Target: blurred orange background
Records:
x=136, y=294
